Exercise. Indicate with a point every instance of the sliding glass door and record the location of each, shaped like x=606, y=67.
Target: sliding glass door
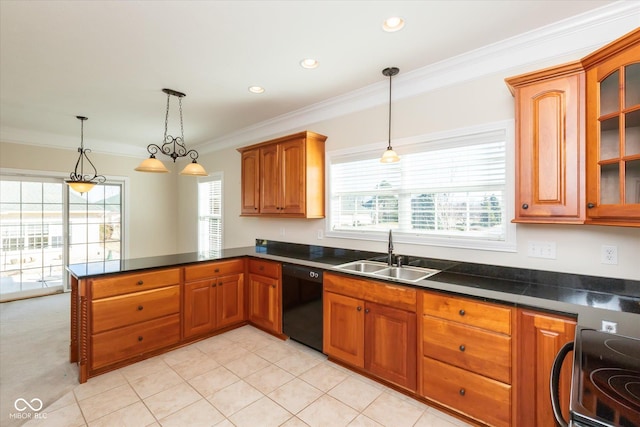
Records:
x=44, y=225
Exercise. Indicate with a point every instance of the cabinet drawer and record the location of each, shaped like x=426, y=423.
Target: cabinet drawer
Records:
x=470, y=312
x=402, y=297
x=131, y=341
x=122, y=310
x=473, y=349
x=127, y=283
x=213, y=269
x=480, y=397
x=265, y=268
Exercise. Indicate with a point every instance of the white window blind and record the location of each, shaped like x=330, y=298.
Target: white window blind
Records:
x=210, y=214
x=450, y=188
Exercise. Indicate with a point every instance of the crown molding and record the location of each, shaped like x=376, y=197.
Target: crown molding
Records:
x=573, y=37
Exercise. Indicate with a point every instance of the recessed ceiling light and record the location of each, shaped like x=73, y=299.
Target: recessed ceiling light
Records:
x=393, y=23
x=256, y=89
x=309, y=63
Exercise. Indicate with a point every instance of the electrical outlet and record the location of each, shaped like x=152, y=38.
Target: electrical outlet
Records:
x=609, y=254
x=542, y=250
x=611, y=327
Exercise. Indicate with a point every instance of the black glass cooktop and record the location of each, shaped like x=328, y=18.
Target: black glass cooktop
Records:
x=606, y=380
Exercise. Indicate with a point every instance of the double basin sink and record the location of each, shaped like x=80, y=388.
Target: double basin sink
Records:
x=382, y=270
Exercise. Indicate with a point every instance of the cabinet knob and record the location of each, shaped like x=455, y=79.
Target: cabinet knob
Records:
x=217, y=270
x=261, y=268
x=462, y=312
x=213, y=285
x=591, y=205
x=255, y=209
x=366, y=310
x=359, y=308
x=140, y=282
x=140, y=308
x=462, y=347
x=525, y=206
x=462, y=392
x=140, y=338
x=273, y=286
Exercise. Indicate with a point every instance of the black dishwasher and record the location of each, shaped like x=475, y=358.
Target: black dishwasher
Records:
x=302, y=304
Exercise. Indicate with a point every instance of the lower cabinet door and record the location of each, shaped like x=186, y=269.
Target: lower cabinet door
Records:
x=480, y=397
x=199, y=307
x=230, y=300
x=391, y=344
x=264, y=302
x=131, y=341
x=343, y=328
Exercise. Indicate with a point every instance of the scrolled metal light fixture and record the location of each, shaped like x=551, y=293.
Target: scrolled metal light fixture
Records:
x=390, y=156
x=173, y=147
x=78, y=180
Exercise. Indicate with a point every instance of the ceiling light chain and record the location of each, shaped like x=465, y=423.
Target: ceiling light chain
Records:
x=79, y=181
x=172, y=147
x=390, y=156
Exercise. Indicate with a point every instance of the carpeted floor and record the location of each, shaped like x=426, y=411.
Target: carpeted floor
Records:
x=34, y=353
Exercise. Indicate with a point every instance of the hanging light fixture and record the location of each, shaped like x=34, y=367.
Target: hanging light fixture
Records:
x=390, y=156
x=78, y=180
x=172, y=147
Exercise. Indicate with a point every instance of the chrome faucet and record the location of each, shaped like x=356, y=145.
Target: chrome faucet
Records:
x=390, y=254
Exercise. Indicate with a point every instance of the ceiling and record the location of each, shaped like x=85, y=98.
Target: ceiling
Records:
x=110, y=60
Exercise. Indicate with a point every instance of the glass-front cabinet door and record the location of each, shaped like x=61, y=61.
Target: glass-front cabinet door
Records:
x=613, y=133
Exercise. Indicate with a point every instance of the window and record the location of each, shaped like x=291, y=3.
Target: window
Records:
x=448, y=191
x=37, y=213
x=210, y=213
x=95, y=224
x=31, y=217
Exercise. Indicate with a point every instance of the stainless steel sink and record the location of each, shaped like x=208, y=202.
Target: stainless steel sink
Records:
x=382, y=270
x=363, y=266
x=412, y=274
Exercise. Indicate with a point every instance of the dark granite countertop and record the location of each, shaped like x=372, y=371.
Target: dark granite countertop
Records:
x=591, y=298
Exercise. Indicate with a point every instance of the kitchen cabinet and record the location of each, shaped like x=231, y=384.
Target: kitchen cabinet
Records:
x=371, y=326
x=130, y=315
x=613, y=132
x=550, y=144
x=541, y=335
x=250, y=182
x=213, y=296
x=466, y=350
x=265, y=295
x=284, y=177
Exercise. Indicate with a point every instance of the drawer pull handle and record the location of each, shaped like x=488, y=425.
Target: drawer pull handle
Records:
x=140, y=282
x=462, y=392
x=462, y=347
x=359, y=308
x=217, y=270
x=462, y=312
x=140, y=338
x=140, y=308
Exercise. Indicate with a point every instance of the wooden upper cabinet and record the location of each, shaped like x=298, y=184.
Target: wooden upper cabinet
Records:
x=613, y=133
x=550, y=145
x=250, y=182
x=285, y=177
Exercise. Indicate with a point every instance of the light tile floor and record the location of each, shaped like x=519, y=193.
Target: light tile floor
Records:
x=244, y=377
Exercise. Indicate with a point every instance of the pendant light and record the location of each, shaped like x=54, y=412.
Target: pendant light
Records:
x=390, y=156
x=78, y=180
x=172, y=147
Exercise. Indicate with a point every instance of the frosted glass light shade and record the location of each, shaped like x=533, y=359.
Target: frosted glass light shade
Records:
x=152, y=165
x=390, y=156
x=194, y=169
x=81, y=186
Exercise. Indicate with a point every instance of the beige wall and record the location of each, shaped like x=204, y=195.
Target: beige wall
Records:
x=473, y=103
x=152, y=207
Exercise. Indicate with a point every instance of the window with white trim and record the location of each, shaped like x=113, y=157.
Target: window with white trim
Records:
x=448, y=191
x=210, y=213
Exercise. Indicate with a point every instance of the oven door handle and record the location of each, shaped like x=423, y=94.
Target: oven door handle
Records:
x=554, y=383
